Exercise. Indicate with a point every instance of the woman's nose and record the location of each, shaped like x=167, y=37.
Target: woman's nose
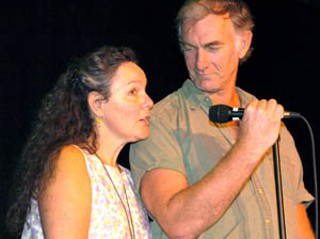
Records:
x=148, y=102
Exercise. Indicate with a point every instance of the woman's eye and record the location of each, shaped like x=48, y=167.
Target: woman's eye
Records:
x=133, y=92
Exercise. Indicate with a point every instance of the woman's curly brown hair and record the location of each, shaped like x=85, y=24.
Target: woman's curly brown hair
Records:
x=64, y=118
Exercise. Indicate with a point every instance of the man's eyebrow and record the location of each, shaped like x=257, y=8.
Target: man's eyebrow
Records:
x=213, y=43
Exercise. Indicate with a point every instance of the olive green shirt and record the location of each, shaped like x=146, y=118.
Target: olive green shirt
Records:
x=182, y=138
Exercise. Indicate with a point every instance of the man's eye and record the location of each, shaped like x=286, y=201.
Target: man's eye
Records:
x=187, y=49
x=213, y=48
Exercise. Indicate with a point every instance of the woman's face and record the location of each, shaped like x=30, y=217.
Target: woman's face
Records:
x=126, y=113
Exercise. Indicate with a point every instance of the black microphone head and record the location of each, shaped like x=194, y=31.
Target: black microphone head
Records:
x=219, y=113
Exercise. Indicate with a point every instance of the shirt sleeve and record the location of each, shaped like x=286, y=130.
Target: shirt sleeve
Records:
x=291, y=162
x=160, y=150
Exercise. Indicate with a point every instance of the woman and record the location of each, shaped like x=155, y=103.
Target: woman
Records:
x=69, y=183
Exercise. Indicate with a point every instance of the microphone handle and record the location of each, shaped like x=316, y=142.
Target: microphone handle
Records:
x=235, y=113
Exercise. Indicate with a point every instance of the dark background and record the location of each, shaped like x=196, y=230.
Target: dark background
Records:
x=37, y=39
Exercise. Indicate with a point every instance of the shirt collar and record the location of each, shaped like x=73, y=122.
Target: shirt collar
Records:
x=195, y=96
x=198, y=98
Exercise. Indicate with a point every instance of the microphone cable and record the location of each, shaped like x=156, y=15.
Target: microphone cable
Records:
x=224, y=113
x=315, y=176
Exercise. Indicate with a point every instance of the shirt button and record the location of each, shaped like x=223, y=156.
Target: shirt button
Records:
x=267, y=221
x=260, y=191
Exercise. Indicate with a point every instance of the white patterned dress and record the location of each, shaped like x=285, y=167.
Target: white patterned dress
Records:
x=109, y=219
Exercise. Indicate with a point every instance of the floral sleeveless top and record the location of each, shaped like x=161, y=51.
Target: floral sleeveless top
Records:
x=110, y=217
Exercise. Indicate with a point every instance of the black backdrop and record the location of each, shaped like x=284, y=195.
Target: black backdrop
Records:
x=37, y=40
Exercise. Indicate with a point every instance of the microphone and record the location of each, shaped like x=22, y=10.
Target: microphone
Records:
x=225, y=113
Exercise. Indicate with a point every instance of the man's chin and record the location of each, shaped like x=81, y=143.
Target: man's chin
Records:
x=205, y=85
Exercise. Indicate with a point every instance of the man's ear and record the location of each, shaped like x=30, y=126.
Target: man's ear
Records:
x=244, y=43
x=95, y=100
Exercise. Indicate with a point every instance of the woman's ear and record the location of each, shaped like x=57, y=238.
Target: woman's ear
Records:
x=244, y=43
x=95, y=101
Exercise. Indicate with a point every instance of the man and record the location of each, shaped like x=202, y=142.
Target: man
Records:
x=200, y=179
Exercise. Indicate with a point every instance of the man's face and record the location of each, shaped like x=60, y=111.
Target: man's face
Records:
x=212, y=49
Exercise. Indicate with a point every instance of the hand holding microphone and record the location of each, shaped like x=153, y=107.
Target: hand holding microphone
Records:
x=260, y=126
x=225, y=113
